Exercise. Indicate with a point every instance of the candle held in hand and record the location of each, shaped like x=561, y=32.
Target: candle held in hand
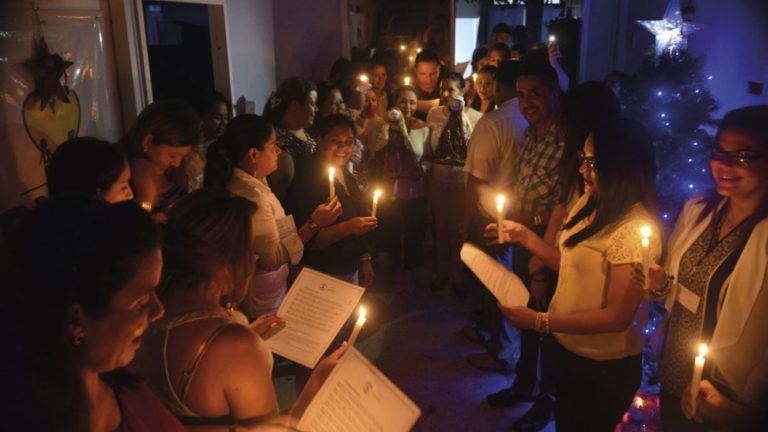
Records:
x=376, y=196
x=331, y=184
x=358, y=326
x=698, y=369
x=645, y=244
x=500, y=200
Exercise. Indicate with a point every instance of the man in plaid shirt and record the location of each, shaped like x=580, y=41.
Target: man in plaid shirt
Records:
x=535, y=193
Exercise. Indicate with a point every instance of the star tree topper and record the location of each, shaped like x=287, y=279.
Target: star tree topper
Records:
x=671, y=31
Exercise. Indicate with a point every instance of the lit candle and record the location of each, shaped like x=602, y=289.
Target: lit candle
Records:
x=376, y=196
x=407, y=81
x=410, y=58
x=363, y=78
x=474, y=78
x=146, y=205
x=698, y=368
x=499, y=214
x=358, y=326
x=552, y=38
x=402, y=47
x=418, y=50
x=645, y=243
x=639, y=402
x=331, y=185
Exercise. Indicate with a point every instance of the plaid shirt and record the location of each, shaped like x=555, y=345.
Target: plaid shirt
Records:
x=537, y=189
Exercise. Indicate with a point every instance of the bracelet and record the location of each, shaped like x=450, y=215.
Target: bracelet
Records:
x=545, y=320
x=661, y=292
x=366, y=257
x=537, y=325
x=313, y=226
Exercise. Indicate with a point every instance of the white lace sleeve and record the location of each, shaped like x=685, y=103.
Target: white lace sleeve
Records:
x=624, y=244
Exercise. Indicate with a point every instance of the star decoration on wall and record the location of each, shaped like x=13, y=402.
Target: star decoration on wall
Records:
x=47, y=70
x=671, y=31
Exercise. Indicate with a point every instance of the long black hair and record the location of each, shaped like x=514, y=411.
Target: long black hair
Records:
x=581, y=108
x=84, y=167
x=64, y=252
x=626, y=175
x=243, y=133
x=751, y=120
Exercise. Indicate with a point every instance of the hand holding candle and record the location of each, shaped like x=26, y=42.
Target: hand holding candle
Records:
x=358, y=326
x=500, y=200
x=331, y=184
x=376, y=196
x=645, y=243
x=698, y=369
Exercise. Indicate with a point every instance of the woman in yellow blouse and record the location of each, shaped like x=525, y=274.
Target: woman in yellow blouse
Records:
x=599, y=310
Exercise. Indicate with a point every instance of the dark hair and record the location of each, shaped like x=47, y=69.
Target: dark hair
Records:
x=519, y=48
x=501, y=27
x=427, y=56
x=499, y=46
x=208, y=228
x=83, y=167
x=324, y=91
x=477, y=55
x=751, y=120
x=626, y=176
x=64, y=252
x=581, y=108
x=477, y=103
x=203, y=103
x=293, y=89
x=243, y=133
x=169, y=122
x=327, y=124
x=544, y=72
x=455, y=77
x=490, y=70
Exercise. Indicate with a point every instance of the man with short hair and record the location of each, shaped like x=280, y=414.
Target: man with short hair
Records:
x=427, y=73
x=498, y=53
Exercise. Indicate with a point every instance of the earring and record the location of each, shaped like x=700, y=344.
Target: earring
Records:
x=230, y=307
x=78, y=339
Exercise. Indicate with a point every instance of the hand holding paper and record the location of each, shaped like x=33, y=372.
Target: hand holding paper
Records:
x=502, y=283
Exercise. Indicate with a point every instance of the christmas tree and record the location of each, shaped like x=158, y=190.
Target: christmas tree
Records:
x=670, y=96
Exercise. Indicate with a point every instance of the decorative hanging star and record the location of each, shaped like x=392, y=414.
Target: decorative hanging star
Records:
x=671, y=31
x=47, y=69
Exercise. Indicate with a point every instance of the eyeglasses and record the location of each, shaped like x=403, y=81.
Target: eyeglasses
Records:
x=742, y=158
x=589, y=161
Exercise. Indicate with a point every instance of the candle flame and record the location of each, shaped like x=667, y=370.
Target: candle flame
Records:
x=407, y=81
x=331, y=171
x=364, y=78
x=552, y=38
x=645, y=231
x=377, y=194
x=402, y=47
x=639, y=402
x=500, y=200
x=474, y=77
x=703, y=350
x=418, y=50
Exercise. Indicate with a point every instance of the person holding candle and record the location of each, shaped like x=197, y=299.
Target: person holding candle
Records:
x=342, y=249
x=291, y=109
x=718, y=289
x=427, y=70
x=599, y=310
x=240, y=160
x=204, y=359
x=396, y=167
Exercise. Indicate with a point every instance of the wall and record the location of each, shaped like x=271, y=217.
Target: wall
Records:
x=252, y=50
x=309, y=37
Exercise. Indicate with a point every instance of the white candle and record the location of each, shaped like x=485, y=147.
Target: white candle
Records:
x=376, y=196
x=645, y=244
x=407, y=81
x=698, y=368
x=358, y=326
x=500, y=214
x=331, y=185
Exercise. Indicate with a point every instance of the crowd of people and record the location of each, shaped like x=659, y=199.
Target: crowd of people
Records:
x=138, y=293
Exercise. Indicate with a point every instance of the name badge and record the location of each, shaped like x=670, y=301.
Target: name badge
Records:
x=688, y=299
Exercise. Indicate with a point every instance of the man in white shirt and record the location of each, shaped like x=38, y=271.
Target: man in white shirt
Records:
x=490, y=171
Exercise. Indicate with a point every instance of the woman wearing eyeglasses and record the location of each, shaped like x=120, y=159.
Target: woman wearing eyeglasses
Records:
x=599, y=309
x=718, y=289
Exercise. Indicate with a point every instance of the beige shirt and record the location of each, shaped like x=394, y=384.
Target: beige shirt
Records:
x=268, y=285
x=582, y=282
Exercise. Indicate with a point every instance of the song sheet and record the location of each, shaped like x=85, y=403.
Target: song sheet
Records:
x=502, y=283
x=316, y=307
x=357, y=397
